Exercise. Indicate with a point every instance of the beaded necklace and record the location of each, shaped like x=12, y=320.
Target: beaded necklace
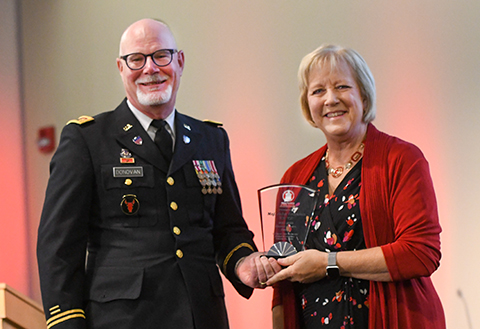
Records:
x=338, y=171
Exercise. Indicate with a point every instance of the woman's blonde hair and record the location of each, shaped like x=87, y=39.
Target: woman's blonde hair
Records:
x=333, y=54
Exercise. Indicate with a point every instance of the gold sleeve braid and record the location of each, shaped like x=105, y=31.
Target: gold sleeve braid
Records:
x=64, y=316
x=225, y=262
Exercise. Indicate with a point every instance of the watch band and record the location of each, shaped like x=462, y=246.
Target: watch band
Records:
x=332, y=259
x=332, y=268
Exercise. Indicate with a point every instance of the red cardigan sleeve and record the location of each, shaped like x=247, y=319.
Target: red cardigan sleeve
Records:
x=400, y=209
x=415, y=250
x=399, y=213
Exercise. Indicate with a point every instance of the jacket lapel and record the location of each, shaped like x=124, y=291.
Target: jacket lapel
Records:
x=187, y=140
x=131, y=135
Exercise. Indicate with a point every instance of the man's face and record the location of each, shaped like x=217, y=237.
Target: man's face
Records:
x=152, y=89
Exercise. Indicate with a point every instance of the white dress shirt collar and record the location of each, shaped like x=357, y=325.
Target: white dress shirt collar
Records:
x=145, y=121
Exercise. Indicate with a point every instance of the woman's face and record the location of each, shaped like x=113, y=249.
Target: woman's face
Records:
x=335, y=102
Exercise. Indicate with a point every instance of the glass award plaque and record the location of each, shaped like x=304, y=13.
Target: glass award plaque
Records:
x=286, y=211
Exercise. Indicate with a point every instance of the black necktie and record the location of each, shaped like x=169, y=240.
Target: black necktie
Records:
x=163, y=139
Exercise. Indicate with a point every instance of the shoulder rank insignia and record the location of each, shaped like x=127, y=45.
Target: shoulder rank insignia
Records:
x=81, y=120
x=214, y=123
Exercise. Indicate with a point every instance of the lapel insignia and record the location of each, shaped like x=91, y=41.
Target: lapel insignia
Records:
x=208, y=176
x=127, y=127
x=186, y=139
x=137, y=140
x=187, y=126
x=126, y=156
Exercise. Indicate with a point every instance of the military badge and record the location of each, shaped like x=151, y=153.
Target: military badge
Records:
x=130, y=204
x=213, y=123
x=137, y=140
x=208, y=176
x=126, y=156
x=81, y=120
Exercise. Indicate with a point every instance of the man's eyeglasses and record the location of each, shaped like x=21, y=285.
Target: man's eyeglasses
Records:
x=136, y=61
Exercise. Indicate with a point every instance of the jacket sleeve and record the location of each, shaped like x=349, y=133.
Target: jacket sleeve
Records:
x=62, y=234
x=415, y=249
x=232, y=238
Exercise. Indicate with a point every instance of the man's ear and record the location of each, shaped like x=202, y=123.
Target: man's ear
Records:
x=181, y=60
x=120, y=65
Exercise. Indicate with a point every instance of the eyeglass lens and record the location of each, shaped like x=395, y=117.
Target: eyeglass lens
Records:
x=161, y=57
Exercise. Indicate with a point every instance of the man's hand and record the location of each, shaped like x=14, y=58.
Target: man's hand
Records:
x=256, y=269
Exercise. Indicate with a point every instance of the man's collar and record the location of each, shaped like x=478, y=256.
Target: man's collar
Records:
x=145, y=120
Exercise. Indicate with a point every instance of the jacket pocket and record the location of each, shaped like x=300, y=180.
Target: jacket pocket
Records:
x=113, y=283
x=127, y=196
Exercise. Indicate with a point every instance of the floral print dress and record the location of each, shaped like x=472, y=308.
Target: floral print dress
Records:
x=342, y=302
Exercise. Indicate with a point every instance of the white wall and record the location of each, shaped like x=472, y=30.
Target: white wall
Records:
x=241, y=63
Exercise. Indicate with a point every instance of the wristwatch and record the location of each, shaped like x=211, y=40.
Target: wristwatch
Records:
x=332, y=268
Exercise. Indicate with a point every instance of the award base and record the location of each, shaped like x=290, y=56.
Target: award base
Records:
x=281, y=250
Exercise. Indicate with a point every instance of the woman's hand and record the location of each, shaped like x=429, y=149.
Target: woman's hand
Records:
x=311, y=265
x=305, y=267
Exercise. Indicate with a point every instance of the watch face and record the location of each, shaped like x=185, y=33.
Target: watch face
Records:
x=333, y=271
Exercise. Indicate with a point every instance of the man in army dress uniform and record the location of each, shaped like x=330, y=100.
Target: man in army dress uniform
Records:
x=142, y=206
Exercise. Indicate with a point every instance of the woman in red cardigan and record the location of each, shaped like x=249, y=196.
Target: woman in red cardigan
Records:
x=374, y=240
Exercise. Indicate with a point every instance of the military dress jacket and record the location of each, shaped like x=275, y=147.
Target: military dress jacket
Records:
x=126, y=240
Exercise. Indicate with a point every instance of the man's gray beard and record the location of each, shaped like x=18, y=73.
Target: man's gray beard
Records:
x=152, y=99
